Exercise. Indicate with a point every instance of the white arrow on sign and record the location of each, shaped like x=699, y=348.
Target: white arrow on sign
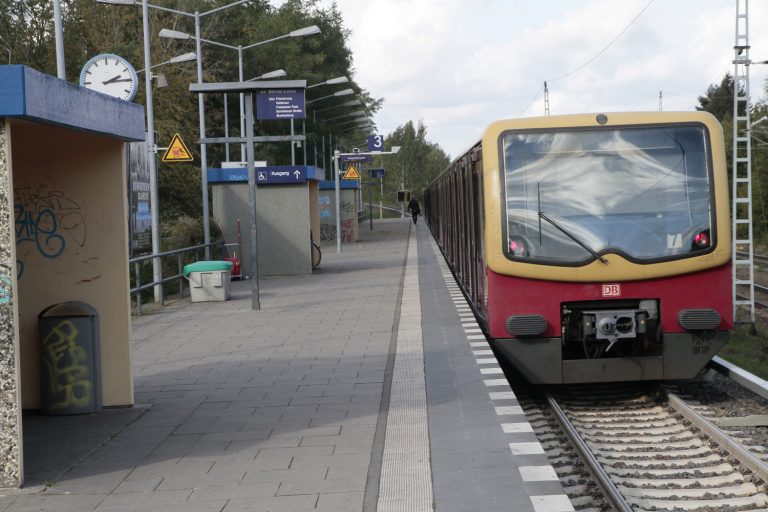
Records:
x=297, y=174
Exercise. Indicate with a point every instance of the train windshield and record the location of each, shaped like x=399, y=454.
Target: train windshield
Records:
x=573, y=196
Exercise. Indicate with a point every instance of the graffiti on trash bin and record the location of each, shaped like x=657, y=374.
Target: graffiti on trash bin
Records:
x=64, y=360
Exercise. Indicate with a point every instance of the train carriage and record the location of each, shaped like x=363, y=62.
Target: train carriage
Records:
x=594, y=247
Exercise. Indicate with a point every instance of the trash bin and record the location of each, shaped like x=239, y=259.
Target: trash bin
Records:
x=70, y=380
x=209, y=281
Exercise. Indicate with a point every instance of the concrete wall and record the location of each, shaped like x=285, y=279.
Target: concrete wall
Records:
x=348, y=205
x=69, y=192
x=10, y=404
x=283, y=225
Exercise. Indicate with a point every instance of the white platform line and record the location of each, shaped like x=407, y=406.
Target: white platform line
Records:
x=516, y=428
x=544, y=473
x=552, y=503
x=533, y=448
x=496, y=382
x=502, y=395
x=491, y=371
x=486, y=360
x=509, y=410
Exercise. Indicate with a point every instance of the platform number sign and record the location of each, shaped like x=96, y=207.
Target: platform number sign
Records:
x=375, y=143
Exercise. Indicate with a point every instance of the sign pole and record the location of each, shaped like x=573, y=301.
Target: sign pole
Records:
x=255, y=304
x=381, y=197
x=338, y=205
x=370, y=206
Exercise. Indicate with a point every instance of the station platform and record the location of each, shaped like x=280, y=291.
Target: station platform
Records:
x=366, y=386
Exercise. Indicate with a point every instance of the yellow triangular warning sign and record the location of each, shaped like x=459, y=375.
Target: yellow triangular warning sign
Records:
x=351, y=173
x=177, y=151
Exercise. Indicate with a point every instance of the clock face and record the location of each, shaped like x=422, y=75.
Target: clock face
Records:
x=110, y=74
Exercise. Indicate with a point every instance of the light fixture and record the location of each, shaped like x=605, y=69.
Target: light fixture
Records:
x=306, y=31
x=174, y=34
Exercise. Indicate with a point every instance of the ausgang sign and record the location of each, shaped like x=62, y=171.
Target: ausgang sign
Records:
x=280, y=104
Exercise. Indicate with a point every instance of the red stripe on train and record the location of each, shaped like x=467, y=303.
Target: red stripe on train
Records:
x=509, y=295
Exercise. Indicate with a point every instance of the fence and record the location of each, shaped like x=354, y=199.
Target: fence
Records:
x=181, y=260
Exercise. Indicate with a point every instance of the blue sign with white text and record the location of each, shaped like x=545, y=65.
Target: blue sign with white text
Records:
x=375, y=143
x=280, y=174
x=272, y=175
x=280, y=104
x=356, y=158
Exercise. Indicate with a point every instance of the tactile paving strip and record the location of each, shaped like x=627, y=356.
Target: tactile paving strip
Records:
x=406, y=473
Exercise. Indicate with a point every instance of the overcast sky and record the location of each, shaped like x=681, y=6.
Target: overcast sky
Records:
x=460, y=64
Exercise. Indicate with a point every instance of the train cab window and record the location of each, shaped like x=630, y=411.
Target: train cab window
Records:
x=574, y=195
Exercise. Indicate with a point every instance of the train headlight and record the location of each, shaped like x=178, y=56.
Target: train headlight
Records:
x=701, y=240
x=518, y=249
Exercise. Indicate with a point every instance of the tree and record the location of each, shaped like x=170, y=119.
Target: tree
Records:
x=416, y=164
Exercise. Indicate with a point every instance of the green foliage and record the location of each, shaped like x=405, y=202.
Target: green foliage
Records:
x=90, y=28
x=747, y=350
x=416, y=164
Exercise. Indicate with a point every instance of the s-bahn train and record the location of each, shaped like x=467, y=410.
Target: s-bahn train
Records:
x=593, y=248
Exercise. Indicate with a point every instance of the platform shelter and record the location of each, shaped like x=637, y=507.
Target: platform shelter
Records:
x=63, y=237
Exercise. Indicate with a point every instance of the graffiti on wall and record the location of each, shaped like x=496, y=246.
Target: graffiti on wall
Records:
x=347, y=208
x=326, y=212
x=64, y=360
x=347, y=230
x=45, y=221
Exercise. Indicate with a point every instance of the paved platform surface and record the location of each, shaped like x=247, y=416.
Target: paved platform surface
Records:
x=365, y=386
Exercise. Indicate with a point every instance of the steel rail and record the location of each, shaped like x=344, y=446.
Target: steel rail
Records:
x=737, y=451
x=611, y=492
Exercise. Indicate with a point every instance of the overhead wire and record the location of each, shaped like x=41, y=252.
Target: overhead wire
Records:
x=590, y=60
x=598, y=54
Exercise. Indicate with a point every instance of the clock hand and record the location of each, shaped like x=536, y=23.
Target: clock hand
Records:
x=112, y=80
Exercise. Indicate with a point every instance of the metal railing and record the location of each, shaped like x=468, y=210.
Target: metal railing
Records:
x=179, y=253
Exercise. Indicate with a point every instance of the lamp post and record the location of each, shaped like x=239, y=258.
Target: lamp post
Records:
x=151, y=146
x=350, y=103
x=313, y=29
x=331, y=81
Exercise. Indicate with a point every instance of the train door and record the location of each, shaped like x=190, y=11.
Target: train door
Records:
x=478, y=258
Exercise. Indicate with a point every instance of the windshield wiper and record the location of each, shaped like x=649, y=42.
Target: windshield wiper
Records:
x=573, y=237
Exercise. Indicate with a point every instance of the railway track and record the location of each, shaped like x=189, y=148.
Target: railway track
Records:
x=645, y=450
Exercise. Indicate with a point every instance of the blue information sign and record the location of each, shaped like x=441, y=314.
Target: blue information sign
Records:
x=375, y=143
x=274, y=174
x=356, y=158
x=376, y=173
x=281, y=174
x=280, y=104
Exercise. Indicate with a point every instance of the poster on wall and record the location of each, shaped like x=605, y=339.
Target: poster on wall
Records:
x=139, y=213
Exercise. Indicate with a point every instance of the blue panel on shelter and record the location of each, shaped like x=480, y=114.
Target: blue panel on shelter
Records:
x=270, y=175
x=330, y=185
x=29, y=94
x=11, y=91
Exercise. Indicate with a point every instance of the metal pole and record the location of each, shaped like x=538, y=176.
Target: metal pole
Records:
x=226, y=126
x=255, y=304
x=370, y=206
x=157, y=268
x=242, y=100
x=381, y=197
x=338, y=205
x=293, y=146
x=324, y=153
x=203, y=149
x=59, y=30
x=304, y=133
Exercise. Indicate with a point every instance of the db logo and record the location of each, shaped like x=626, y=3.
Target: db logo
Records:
x=612, y=290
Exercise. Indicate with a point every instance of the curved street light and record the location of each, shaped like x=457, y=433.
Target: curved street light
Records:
x=175, y=34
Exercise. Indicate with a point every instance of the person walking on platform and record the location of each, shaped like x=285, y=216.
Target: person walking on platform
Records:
x=413, y=205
